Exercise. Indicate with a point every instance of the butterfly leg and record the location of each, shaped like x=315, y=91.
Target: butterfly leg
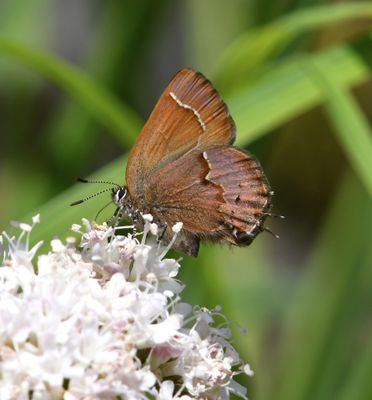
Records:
x=134, y=229
x=162, y=230
x=114, y=220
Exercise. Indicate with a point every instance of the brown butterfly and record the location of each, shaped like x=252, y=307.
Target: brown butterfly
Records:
x=183, y=168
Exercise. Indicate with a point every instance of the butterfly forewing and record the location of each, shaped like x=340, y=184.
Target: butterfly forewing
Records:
x=189, y=115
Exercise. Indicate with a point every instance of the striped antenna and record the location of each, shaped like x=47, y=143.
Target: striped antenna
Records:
x=90, y=197
x=82, y=180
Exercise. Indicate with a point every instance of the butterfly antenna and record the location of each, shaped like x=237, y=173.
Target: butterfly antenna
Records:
x=275, y=215
x=89, y=197
x=83, y=180
x=271, y=232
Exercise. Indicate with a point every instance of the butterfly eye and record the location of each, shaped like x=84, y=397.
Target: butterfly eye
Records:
x=119, y=194
x=122, y=193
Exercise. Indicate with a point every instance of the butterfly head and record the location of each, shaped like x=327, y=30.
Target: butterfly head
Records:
x=119, y=194
x=121, y=198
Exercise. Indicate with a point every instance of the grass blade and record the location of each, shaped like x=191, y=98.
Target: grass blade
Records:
x=249, y=52
x=351, y=125
x=330, y=281
x=359, y=385
x=289, y=90
x=124, y=28
x=121, y=121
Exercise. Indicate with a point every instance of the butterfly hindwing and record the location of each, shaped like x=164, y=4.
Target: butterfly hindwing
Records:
x=218, y=194
x=246, y=192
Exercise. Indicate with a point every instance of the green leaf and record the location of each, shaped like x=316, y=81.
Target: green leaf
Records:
x=110, y=61
x=359, y=384
x=330, y=284
x=121, y=121
x=351, y=125
x=289, y=90
x=204, y=21
x=251, y=51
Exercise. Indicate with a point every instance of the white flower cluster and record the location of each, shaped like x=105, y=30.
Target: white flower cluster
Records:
x=104, y=321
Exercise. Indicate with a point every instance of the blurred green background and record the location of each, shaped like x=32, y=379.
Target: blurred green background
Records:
x=78, y=79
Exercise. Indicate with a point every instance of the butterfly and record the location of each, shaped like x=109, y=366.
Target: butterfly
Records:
x=183, y=168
